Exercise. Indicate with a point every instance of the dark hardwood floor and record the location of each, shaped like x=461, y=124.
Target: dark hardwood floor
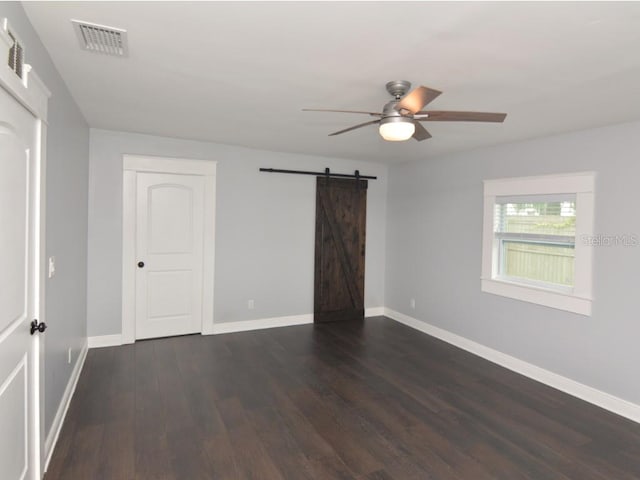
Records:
x=373, y=400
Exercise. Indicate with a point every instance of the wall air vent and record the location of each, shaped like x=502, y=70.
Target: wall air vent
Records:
x=101, y=39
x=16, y=55
x=16, y=52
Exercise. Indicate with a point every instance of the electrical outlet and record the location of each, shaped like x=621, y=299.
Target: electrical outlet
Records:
x=69, y=356
x=52, y=266
x=250, y=304
x=412, y=302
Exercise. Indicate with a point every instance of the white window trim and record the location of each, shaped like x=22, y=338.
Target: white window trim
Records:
x=579, y=298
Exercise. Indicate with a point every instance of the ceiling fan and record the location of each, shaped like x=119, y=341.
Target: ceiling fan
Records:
x=400, y=118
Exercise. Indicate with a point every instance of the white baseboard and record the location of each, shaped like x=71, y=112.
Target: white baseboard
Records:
x=230, y=327
x=373, y=312
x=105, y=341
x=61, y=413
x=589, y=394
x=274, y=322
x=262, y=323
x=217, y=328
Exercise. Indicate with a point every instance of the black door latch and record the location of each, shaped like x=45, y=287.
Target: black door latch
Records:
x=38, y=327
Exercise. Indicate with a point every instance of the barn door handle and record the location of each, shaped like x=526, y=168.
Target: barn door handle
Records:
x=140, y=264
x=38, y=327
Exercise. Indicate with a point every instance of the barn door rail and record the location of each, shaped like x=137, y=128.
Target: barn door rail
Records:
x=326, y=173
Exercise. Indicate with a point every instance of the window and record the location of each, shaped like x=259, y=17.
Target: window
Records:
x=536, y=239
x=529, y=244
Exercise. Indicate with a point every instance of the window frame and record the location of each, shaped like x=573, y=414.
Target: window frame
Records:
x=575, y=299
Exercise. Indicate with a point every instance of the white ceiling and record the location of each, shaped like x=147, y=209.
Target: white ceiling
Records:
x=240, y=72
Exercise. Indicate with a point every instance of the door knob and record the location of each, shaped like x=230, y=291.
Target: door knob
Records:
x=140, y=264
x=38, y=327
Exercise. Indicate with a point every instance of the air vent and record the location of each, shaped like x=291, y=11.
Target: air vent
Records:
x=16, y=52
x=101, y=39
x=16, y=55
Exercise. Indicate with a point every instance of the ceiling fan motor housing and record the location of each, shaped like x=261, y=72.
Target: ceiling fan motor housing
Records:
x=390, y=110
x=397, y=118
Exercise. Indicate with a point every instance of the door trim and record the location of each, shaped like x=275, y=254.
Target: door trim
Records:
x=131, y=165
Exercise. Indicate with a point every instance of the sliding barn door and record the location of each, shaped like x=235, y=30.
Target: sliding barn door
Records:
x=341, y=212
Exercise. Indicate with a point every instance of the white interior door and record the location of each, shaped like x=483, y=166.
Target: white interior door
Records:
x=18, y=406
x=169, y=254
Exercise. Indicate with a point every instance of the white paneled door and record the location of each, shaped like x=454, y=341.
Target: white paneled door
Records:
x=18, y=406
x=169, y=254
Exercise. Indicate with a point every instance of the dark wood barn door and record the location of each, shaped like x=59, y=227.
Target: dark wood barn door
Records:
x=341, y=211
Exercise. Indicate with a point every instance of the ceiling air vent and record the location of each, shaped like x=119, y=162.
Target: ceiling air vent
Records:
x=101, y=39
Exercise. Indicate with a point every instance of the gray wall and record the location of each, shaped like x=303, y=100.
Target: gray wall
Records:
x=66, y=228
x=265, y=227
x=434, y=241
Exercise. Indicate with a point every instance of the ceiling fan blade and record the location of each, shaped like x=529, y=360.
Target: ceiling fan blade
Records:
x=416, y=100
x=374, y=114
x=354, y=127
x=444, y=116
x=421, y=133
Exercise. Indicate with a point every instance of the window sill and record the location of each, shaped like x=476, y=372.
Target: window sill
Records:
x=540, y=296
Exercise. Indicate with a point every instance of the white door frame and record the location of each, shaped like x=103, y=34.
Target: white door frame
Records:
x=131, y=165
x=33, y=94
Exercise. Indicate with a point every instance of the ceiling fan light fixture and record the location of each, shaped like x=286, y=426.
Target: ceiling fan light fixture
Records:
x=396, y=129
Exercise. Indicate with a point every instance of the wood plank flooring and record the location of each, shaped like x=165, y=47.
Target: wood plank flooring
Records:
x=350, y=401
